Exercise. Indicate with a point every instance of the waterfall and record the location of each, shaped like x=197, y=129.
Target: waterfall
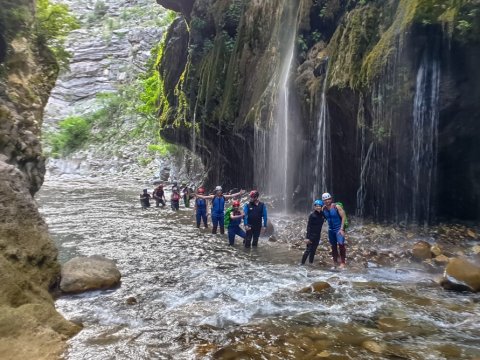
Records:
x=281, y=152
x=425, y=131
x=322, y=152
x=365, y=156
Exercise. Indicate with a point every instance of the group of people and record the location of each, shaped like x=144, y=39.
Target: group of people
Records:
x=254, y=217
x=253, y=214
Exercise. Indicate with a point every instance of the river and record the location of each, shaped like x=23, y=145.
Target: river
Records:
x=197, y=298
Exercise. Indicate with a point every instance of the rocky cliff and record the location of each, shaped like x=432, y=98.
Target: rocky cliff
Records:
x=380, y=100
x=29, y=325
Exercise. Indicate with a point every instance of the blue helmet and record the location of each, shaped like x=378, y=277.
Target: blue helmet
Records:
x=318, y=203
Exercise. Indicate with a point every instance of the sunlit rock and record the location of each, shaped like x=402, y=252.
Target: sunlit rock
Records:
x=441, y=260
x=373, y=346
x=89, y=273
x=436, y=250
x=462, y=274
x=422, y=250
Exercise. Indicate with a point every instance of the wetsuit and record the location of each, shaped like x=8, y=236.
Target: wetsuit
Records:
x=253, y=221
x=186, y=197
x=334, y=237
x=218, y=207
x=175, y=201
x=201, y=213
x=145, y=200
x=314, y=229
x=235, y=229
x=158, y=195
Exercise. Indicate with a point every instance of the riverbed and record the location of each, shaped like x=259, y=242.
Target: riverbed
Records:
x=197, y=298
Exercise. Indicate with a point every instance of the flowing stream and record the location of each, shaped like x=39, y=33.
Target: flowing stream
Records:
x=198, y=298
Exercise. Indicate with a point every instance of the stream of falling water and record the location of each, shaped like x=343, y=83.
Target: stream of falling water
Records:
x=322, y=145
x=425, y=133
x=197, y=298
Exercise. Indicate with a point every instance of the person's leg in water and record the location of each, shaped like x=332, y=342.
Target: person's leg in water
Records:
x=198, y=218
x=232, y=231
x=215, y=222
x=221, y=224
x=332, y=238
x=256, y=230
x=343, y=250
x=248, y=238
x=310, y=251
x=204, y=217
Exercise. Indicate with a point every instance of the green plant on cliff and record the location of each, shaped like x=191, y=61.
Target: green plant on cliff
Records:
x=53, y=24
x=73, y=132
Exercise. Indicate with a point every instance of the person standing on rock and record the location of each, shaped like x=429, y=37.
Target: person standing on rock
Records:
x=314, y=230
x=255, y=211
x=336, y=218
x=236, y=216
x=218, y=207
x=201, y=208
x=159, y=196
x=145, y=199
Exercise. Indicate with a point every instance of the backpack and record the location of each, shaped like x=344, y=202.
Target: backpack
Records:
x=345, y=224
x=226, y=217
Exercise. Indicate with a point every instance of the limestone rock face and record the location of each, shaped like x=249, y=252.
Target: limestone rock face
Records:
x=89, y=273
x=30, y=328
x=462, y=272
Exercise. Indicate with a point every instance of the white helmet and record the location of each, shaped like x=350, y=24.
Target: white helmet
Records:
x=218, y=188
x=326, y=196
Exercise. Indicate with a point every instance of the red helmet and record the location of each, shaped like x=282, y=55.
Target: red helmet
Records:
x=236, y=203
x=254, y=194
x=201, y=190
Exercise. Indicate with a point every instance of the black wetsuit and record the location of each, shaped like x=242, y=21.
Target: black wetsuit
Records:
x=314, y=229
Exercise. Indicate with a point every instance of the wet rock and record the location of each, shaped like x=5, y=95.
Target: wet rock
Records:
x=318, y=286
x=422, y=250
x=436, y=250
x=461, y=274
x=272, y=238
x=131, y=301
x=323, y=354
x=89, y=273
x=441, y=260
x=391, y=324
x=269, y=231
x=373, y=346
x=471, y=233
x=476, y=249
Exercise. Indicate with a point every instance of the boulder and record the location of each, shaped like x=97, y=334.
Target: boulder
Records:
x=422, y=250
x=270, y=230
x=462, y=274
x=436, y=250
x=476, y=249
x=89, y=273
x=316, y=287
x=441, y=260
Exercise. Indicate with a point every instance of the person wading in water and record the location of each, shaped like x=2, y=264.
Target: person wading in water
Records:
x=159, y=196
x=200, y=208
x=336, y=218
x=254, y=211
x=145, y=199
x=236, y=216
x=218, y=207
x=314, y=229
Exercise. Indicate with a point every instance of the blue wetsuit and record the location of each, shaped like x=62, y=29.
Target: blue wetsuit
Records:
x=235, y=229
x=201, y=211
x=334, y=237
x=218, y=207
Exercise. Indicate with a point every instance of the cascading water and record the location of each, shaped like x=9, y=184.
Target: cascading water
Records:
x=425, y=131
x=280, y=170
x=322, y=146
